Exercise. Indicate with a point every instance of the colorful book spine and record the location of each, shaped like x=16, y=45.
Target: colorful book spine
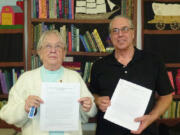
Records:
x=42, y=9
x=37, y=8
x=83, y=42
x=171, y=80
x=91, y=42
x=57, y=8
x=70, y=41
x=60, y=9
x=3, y=83
x=87, y=43
x=99, y=41
x=72, y=9
x=77, y=40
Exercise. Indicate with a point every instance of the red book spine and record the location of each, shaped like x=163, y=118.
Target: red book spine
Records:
x=178, y=81
x=70, y=41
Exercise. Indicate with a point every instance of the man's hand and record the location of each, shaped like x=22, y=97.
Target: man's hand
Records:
x=102, y=102
x=145, y=121
x=86, y=103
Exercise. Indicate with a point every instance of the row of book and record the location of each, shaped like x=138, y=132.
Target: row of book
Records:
x=53, y=9
x=8, y=78
x=127, y=8
x=75, y=41
x=83, y=69
x=173, y=111
x=66, y=8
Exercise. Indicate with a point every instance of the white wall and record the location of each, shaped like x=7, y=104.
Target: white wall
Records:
x=139, y=44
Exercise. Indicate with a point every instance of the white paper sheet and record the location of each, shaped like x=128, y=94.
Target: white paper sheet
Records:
x=60, y=111
x=128, y=102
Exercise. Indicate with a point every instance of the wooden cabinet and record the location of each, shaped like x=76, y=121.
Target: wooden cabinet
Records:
x=157, y=34
x=12, y=55
x=161, y=34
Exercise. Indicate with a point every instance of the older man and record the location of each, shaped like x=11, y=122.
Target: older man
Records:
x=137, y=66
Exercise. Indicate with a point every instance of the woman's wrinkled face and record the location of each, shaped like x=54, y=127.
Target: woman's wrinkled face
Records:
x=52, y=52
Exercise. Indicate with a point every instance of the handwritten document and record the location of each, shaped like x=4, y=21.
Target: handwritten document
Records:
x=60, y=111
x=128, y=102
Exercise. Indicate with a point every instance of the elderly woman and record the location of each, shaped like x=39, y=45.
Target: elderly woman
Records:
x=27, y=90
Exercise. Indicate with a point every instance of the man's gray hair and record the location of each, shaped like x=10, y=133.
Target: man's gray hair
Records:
x=121, y=16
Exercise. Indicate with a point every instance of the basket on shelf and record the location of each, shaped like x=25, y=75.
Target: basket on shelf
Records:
x=94, y=16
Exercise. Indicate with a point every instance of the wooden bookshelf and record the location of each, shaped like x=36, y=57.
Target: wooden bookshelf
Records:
x=169, y=122
x=80, y=22
x=3, y=124
x=171, y=65
x=33, y=20
x=153, y=36
x=11, y=31
x=3, y=96
x=12, y=64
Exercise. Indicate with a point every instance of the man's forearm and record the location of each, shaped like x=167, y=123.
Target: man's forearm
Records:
x=161, y=106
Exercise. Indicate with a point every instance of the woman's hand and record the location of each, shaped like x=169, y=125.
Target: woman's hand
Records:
x=86, y=103
x=32, y=101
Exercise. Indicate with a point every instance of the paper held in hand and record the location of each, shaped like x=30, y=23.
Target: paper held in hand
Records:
x=128, y=102
x=60, y=110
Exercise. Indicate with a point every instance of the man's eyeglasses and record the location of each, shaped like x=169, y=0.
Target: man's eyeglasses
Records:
x=123, y=30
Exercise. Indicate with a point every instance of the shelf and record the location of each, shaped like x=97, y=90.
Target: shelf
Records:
x=4, y=96
x=81, y=53
x=69, y=21
x=169, y=122
x=11, y=31
x=12, y=64
x=87, y=53
x=5, y=125
x=173, y=65
x=161, y=31
x=162, y=0
x=176, y=97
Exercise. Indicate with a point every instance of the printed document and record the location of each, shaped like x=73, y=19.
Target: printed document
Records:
x=60, y=110
x=128, y=102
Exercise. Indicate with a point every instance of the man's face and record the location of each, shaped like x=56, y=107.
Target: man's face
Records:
x=121, y=34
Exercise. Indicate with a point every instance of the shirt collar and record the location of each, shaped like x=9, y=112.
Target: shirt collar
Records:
x=137, y=56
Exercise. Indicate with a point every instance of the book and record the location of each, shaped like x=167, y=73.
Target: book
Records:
x=63, y=32
x=60, y=9
x=91, y=41
x=42, y=9
x=69, y=41
x=57, y=8
x=171, y=79
x=87, y=43
x=86, y=71
x=73, y=66
x=83, y=42
x=98, y=41
x=77, y=42
x=3, y=83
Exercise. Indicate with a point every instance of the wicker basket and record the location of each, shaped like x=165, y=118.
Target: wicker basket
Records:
x=94, y=16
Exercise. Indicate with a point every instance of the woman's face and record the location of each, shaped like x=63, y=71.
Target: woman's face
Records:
x=52, y=52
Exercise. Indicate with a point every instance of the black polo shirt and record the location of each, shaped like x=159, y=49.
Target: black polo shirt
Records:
x=145, y=69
